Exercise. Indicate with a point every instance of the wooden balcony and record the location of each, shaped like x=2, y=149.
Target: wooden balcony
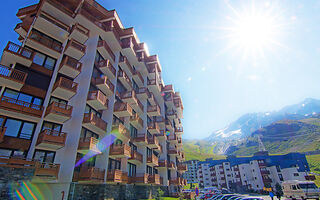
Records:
x=153, y=111
x=104, y=84
x=88, y=144
x=141, y=139
x=70, y=67
x=161, y=121
x=107, y=68
x=122, y=109
x=129, y=97
x=64, y=88
x=121, y=132
x=175, y=181
x=51, y=26
x=22, y=12
x=171, y=114
x=106, y=51
x=14, y=53
x=12, y=78
x=154, y=179
x=2, y=132
x=182, y=167
x=43, y=44
x=168, y=100
x=173, y=152
x=152, y=160
x=94, y=123
x=75, y=49
x=169, y=125
x=117, y=176
x=179, y=131
x=47, y=171
x=97, y=100
x=20, y=109
x=91, y=174
x=120, y=151
x=125, y=80
x=138, y=78
x=136, y=121
x=17, y=162
x=161, y=135
x=154, y=85
x=142, y=93
x=139, y=179
x=128, y=48
x=138, y=107
x=58, y=112
x=125, y=65
x=136, y=158
x=152, y=99
x=171, y=165
x=162, y=164
x=79, y=33
x=51, y=140
x=173, y=139
x=153, y=142
x=153, y=128
x=23, y=28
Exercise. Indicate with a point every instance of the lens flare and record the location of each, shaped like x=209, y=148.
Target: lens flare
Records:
x=102, y=145
x=27, y=190
x=168, y=133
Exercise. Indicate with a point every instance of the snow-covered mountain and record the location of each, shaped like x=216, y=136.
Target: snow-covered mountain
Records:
x=248, y=123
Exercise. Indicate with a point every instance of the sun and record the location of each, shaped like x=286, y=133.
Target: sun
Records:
x=253, y=31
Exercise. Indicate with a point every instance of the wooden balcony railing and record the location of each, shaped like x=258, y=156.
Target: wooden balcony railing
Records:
x=81, y=29
x=71, y=62
x=127, y=43
x=98, y=95
x=91, y=174
x=140, y=138
x=104, y=81
x=54, y=21
x=88, y=144
x=125, y=61
x=154, y=127
x=162, y=163
x=129, y=96
x=2, y=132
x=155, y=108
x=138, y=74
x=104, y=44
x=27, y=10
x=154, y=140
x=172, y=151
x=93, y=119
x=49, y=43
x=60, y=109
x=135, y=118
x=52, y=137
x=139, y=178
x=12, y=74
x=19, y=50
x=16, y=162
x=77, y=45
x=108, y=65
x=47, y=170
x=182, y=167
x=62, y=7
x=8, y=103
x=152, y=159
x=116, y=176
x=136, y=156
x=171, y=165
x=66, y=84
x=154, y=179
x=118, y=107
x=160, y=119
x=120, y=150
x=122, y=74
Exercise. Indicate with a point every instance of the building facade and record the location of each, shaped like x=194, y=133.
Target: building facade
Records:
x=77, y=77
x=191, y=174
x=253, y=173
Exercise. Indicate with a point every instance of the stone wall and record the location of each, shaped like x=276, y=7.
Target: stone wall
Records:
x=112, y=191
x=9, y=177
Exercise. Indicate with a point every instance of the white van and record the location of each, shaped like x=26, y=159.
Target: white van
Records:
x=300, y=190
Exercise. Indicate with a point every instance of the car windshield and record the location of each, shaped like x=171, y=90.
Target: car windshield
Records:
x=218, y=197
x=307, y=186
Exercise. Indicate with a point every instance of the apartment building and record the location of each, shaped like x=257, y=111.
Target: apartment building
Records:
x=191, y=174
x=76, y=77
x=253, y=173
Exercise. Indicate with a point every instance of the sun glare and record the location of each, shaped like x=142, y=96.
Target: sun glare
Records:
x=253, y=31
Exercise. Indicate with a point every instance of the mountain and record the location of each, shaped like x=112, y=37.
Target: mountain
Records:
x=248, y=123
x=283, y=136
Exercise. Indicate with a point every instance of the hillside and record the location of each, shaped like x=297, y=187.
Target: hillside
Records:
x=282, y=137
x=199, y=150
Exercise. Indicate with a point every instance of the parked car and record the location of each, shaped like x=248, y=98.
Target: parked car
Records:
x=226, y=196
x=249, y=198
x=225, y=191
x=300, y=190
x=215, y=197
x=207, y=196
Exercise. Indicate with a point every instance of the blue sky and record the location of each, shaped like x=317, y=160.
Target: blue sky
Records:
x=218, y=84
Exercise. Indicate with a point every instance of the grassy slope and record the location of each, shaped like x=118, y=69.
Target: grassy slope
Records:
x=199, y=150
x=314, y=164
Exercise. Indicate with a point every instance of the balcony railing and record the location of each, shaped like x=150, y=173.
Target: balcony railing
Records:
x=59, y=109
x=98, y=100
x=136, y=121
x=51, y=139
x=129, y=97
x=49, y=43
x=47, y=170
x=154, y=110
x=118, y=151
x=117, y=176
x=126, y=80
x=103, y=43
x=153, y=127
x=122, y=109
x=27, y=10
x=79, y=32
x=139, y=178
x=154, y=179
x=72, y=63
x=91, y=118
x=88, y=144
x=182, y=167
x=17, y=162
x=104, y=84
x=8, y=103
x=142, y=93
x=19, y=50
x=91, y=174
x=122, y=132
x=152, y=160
x=66, y=84
x=54, y=21
x=136, y=156
x=13, y=74
x=140, y=138
x=106, y=67
x=2, y=132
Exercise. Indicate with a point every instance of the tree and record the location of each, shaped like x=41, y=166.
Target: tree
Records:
x=279, y=189
x=159, y=194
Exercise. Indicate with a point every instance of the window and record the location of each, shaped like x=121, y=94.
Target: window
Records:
x=132, y=170
x=149, y=152
x=85, y=133
x=54, y=99
x=135, y=85
x=89, y=109
x=12, y=153
x=44, y=60
x=149, y=170
x=23, y=97
x=278, y=168
x=133, y=131
x=114, y=164
x=44, y=39
x=19, y=129
x=98, y=57
x=295, y=174
x=120, y=87
x=44, y=156
x=133, y=147
x=280, y=177
x=51, y=126
x=294, y=187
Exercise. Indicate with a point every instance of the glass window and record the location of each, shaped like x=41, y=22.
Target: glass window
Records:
x=39, y=58
x=13, y=127
x=133, y=131
x=5, y=152
x=25, y=98
x=11, y=94
x=49, y=64
x=1, y=121
x=132, y=169
x=27, y=130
